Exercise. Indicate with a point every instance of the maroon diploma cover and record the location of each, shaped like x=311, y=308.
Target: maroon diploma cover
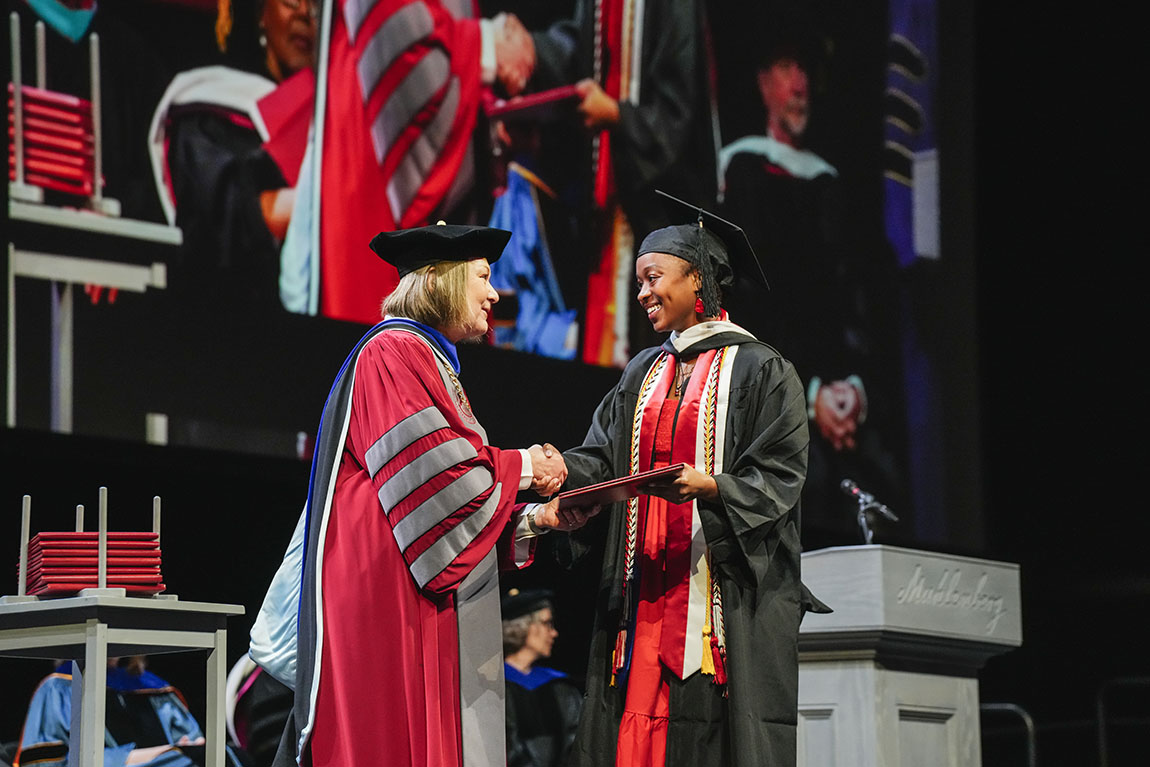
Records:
x=556, y=103
x=616, y=489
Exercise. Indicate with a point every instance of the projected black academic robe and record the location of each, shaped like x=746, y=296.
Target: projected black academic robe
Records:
x=828, y=312
x=665, y=138
x=210, y=168
x=753, y=539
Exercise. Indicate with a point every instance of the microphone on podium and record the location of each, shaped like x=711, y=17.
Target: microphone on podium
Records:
x=865, y=499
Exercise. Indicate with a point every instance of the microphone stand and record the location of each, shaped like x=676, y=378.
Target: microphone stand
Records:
x=866, y=502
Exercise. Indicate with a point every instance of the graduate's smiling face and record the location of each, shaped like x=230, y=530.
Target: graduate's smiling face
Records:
x=668, y=287
x=479, y=297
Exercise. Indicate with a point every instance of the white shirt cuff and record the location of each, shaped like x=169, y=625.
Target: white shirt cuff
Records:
x=487, y=51
x=527, y=473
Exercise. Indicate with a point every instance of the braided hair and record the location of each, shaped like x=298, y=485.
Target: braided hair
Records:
x=709, y=289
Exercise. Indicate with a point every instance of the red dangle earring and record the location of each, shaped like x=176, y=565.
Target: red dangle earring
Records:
x=699, y=306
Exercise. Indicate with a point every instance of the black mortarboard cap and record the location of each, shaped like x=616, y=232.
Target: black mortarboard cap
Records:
x=723, y=242
x=409, y=249
x=517, y=603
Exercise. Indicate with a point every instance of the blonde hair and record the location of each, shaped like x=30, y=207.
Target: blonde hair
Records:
x=440, y=302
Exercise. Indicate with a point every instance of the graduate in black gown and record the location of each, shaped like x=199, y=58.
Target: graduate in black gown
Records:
x=694, y=656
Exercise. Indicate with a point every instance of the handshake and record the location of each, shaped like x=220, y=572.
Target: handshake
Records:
x=548, y=469
x=549, y=472
x=514, y=53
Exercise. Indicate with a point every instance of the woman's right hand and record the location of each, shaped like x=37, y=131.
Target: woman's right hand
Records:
x=550, y=516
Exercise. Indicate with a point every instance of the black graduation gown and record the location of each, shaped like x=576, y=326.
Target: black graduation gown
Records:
x=218, y=170
x=541, y=722
x=753, y=536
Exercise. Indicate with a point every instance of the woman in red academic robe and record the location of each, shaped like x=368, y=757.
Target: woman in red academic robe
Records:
x=398, y=658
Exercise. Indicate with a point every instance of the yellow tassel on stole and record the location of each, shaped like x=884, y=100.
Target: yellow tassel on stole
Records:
x=708, y=666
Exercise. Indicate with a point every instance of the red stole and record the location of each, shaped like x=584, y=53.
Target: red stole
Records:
x=691, y=602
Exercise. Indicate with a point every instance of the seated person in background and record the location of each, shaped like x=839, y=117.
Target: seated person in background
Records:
x=542, y=703
x=146, y=720
x=256, y=708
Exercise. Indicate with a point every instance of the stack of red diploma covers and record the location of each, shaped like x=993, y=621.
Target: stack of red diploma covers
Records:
x=616, y=490
x=59, y=145
x=61, y=564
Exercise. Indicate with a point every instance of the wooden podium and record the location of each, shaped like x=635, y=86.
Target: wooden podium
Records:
x=889, y=679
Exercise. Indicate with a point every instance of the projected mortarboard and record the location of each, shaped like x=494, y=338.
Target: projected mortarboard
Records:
x=710, y=236
x=410, y=249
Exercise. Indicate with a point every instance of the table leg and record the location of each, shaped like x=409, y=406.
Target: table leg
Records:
x=76, y=721
x=214, y=729
x=95, y=690
x=63, y=309
x=11, y=400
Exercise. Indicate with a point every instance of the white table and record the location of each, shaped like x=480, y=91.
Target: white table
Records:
x=89, y=629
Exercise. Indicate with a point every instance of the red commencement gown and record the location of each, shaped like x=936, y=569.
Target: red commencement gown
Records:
x=400, y=636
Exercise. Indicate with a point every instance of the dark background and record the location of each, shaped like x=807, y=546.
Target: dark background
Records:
x=1060, y=416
